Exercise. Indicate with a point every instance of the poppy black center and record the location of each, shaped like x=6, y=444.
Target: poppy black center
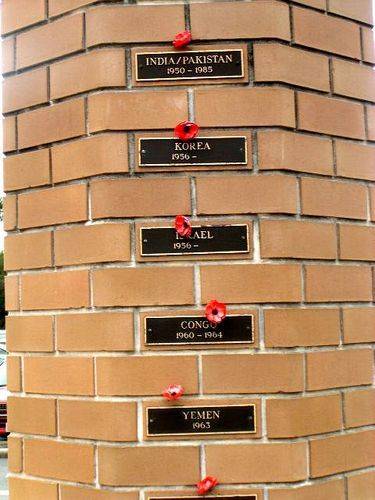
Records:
x=214, y=311
x=186, y=128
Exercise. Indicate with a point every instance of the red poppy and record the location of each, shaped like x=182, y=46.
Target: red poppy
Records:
x=173, y=392
x=186, y=131
x=182, y=39
x=183, y=226
x=215, y=312
x=207, y=484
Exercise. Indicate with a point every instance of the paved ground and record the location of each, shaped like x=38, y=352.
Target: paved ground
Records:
x=3, y=480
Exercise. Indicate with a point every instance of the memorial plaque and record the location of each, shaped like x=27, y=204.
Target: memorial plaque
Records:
x=195, y=330
x=219, y=497
x=189, y=65
x=202, y=151
x=192, y=420
x=157, y=241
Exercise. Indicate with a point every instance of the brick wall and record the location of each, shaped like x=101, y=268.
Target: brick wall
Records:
x=77, y=289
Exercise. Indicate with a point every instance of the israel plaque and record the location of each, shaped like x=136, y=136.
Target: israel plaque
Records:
x=202, y=151
x=189, y=65
x=196, y=330
x=197, y=420
x=158, y=241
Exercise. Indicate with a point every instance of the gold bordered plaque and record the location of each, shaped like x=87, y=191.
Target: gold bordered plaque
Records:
x=189, y=65
x=217, y=497
x=202, y=151
x=204, y=240
x=201, y=420
x=197, y=330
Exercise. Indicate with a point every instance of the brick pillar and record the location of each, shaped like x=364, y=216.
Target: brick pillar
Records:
x=81, y=289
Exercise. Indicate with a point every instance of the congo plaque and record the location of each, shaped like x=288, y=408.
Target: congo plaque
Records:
x=188, y=420
x=189, y=65
x=195, y=330
x=202, y=151
x=157, y=241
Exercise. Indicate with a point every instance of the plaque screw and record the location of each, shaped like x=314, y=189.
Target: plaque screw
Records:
x=243, y=237
x=143, y=151
x=145, y=241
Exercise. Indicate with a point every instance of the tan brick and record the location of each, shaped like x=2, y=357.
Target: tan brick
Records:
x=359, y=408
x=353, y=80
x=77, y=493
x=53, y=206
x=8, y=54
x=368, y=45
x=332, y=490
x=26, y=170
x=32, y=415
x=52, y=40
x=30, y=333
x=338, y=283
x=52, y=123
x=301, y=327
x=95, y=332
x=257, y=463
x=15, y=454
x=100, y=154
x=25, y=90
x=146, y=465
x=59, y=375
x=290, y=418
x=361, y=10
x=280, y=63
x=361, y=486
x=353, y=367
x=370, y=111
x=79, y=245
x=32, y=490
x=138, y=374
x=355, y=160
x=66, y=461
x=325, y=115
x=297, y=239
x=359, y=325
x=140, y=197
x=137, y=110
x=333, y=199
x=62, y=290
x=342, y=453
x=12, y=299
x=132, y=24
x=241, y=195
x=265, y=373
x=27, y=251
x=357, y=242
x=317, y=4
x=81, y=419
x=244, y=107
x=14, y=382
x=10, y=212
x=244, y=20
x=280, y=150
x=93, y=70
x=372, y=203
x=17, y=14
x=9, y=134
x=326, y=33
x=57, y=7
x=269, y=283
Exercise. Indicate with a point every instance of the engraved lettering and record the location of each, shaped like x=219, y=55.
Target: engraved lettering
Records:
x=201, y=414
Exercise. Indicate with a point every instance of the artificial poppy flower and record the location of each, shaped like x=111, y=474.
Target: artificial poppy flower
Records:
x=186, y=130
x=173, y=392
x=215, y=312
x=182, y=39
x=207, y=484
x=183, y=226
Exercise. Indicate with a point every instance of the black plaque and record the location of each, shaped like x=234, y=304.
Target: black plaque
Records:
x=188, y=420
x=191, y=330
x=189, y=65
x=219, y=497
x=202, y=151
x=156, y=241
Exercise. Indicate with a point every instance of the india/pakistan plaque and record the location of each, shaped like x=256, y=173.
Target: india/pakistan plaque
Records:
x=196, y=330
x=187, y=420
x=224, y=239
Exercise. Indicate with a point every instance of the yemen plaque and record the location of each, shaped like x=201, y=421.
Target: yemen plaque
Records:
x=188, y=420
x=189, y=65
x=191, y=330
x=157, y=241
x=202, y=151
